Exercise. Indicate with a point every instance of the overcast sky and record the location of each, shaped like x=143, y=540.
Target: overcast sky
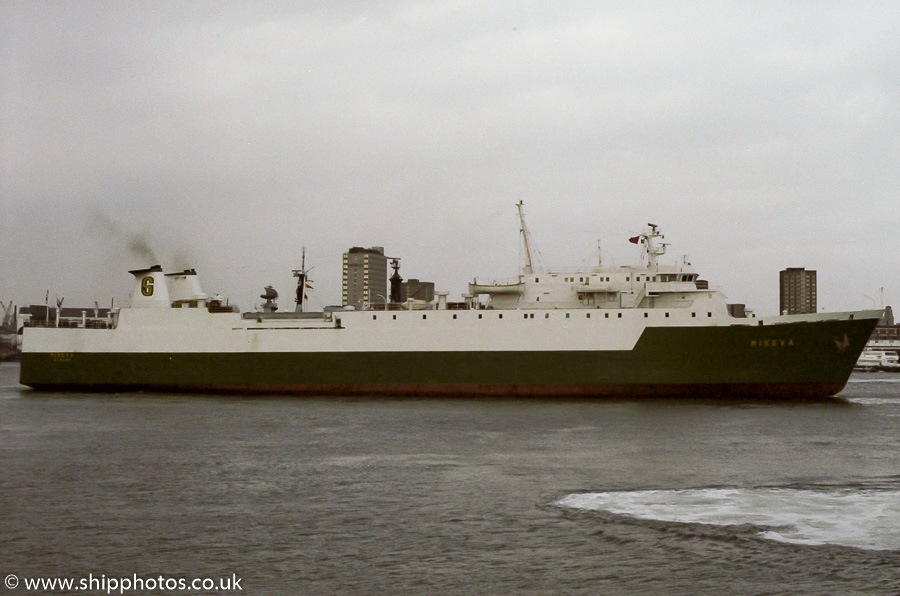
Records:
x=227, y=136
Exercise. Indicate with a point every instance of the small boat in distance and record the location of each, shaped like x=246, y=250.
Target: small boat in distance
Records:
x=874, y=359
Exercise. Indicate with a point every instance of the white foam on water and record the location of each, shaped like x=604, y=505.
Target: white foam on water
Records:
x=868, y=519
x=875, y=401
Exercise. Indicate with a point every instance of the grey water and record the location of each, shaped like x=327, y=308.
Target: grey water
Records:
x=455, y=496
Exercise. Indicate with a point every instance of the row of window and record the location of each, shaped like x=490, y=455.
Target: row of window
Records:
x=581, y=279
x=547, y=315
x=653, y=278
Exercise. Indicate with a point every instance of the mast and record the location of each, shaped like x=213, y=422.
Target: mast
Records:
x=300, y=274
x=653, y=249
x=526, y=238
x=396, y=282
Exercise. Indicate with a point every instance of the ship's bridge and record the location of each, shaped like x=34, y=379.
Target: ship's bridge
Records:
x=648, y=285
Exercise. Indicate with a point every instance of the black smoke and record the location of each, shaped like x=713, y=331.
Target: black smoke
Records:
x=137, y=244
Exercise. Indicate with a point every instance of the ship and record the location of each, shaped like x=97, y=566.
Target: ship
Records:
x=879, y=356
x=651, y=329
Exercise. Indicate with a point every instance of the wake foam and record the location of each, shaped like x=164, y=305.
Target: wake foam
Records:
x=892, y=379
x=875, y=401
x=868, y=519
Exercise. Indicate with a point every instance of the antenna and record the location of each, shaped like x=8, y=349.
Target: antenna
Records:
x=302, y=281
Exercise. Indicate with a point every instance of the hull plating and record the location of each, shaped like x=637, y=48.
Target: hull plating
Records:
x=805, y=360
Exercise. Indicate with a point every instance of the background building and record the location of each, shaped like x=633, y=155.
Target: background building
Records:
x=364, y=277
x=413, y=289
x=798, y=291
x=887, y=329
x=737, y=310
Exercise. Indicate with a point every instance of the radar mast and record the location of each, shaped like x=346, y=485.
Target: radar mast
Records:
x=302, y=282
x=653, y=248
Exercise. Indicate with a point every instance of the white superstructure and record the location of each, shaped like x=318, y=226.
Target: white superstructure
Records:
x=650, y=285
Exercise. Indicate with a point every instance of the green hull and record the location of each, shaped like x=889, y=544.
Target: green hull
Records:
x=790, y=360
